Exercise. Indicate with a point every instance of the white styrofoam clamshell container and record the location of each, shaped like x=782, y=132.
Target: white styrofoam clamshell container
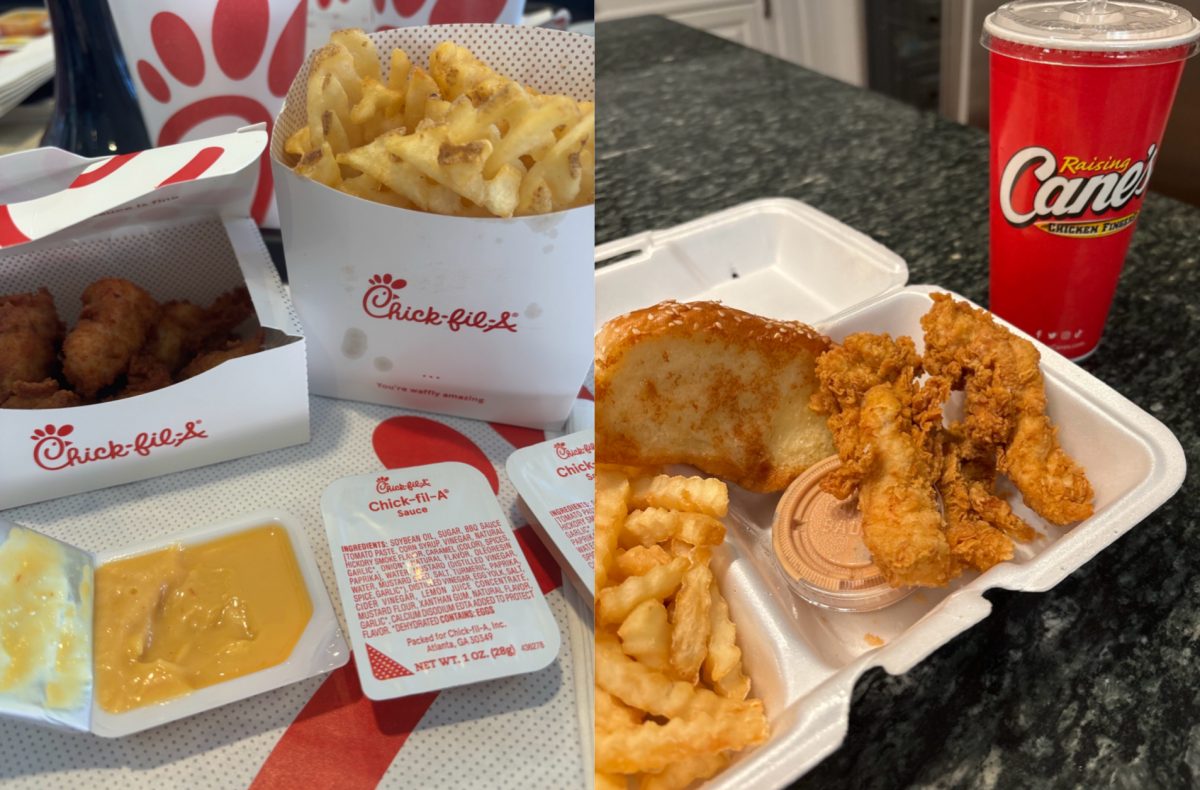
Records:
x=804, y=660
x=776, y=257
x=321, y=647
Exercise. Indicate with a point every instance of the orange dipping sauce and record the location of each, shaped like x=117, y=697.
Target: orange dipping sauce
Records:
x=175, y=620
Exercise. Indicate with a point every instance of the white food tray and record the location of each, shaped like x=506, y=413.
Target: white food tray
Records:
x=803, y=660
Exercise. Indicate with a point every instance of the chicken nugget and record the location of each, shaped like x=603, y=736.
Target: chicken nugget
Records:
x=29, y=336
x=185, y=328
x=45, y=394
x=117, y=318
x=231, y=350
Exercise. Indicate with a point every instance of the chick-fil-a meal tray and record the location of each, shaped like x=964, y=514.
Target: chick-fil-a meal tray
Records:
x=322, y=731
x=786, y=260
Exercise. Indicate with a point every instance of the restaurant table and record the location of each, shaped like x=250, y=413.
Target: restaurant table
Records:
x=523, y=731
x=1094, y=683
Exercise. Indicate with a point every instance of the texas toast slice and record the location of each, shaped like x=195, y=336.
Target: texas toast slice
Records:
x=703, y=384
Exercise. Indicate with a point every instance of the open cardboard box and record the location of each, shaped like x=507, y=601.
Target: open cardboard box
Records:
x=786, y=260
x=485, y=318
x=175, y=221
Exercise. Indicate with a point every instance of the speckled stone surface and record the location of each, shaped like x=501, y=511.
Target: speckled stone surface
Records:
x=1093, y=684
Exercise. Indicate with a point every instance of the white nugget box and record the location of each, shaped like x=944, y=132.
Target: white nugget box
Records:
x=175, y=221
x=485, y=318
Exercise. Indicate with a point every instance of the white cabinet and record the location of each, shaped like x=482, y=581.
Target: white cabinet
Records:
x=743, y=21
x=824, y=35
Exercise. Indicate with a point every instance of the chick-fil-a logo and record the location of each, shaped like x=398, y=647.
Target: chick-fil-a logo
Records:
x=384, y=484
x=382, y=300
x=52, y=450
x=562, y=451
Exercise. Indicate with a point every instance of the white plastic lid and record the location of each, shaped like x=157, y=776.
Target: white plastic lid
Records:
x=1093, y=25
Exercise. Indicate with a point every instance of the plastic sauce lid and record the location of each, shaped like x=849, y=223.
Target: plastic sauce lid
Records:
x=819, y=546
x=1099, y=26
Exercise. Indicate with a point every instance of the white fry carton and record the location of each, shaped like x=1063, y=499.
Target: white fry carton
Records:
x=557, y=484
x=475, y=317
x=175, y=221
x=321, y=647
x=783, y=259
x=434, y=586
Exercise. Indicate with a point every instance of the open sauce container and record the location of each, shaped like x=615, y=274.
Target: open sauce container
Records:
x=818, y=543
x=126, y=640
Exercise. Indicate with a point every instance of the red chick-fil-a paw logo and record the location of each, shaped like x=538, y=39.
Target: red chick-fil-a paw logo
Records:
x=383, y=300
x=562, y=451
x=52, y=450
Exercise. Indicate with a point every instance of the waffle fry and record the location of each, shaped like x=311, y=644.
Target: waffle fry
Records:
x=671, y=696
x=458, y=139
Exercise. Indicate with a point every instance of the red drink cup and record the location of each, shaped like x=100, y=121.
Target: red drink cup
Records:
x=1080, y=94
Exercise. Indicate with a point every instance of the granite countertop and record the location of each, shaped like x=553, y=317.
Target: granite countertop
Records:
x=1094, y=683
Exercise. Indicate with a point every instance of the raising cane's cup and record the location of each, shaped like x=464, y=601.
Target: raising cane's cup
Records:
x=1080, y=94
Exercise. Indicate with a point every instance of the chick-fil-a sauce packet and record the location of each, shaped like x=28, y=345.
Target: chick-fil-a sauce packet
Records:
x=557, y=484
x=435, y=589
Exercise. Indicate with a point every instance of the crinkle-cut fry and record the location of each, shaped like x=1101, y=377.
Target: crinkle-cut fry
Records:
x=615, y=603
x=611, y=492
x=611, y=713
x=611, y=782
x=299, y=142
x=690, y=620
x=361, y=48
x=321, y=166
x=735, y=685
x=459, y=73
x=723, y=653
x=646, y=635
x=681, y=774
x=639, y=560
x=402, y=178
x=653, y=525
x=706, y=495
x=652, y=747
x=643, y=688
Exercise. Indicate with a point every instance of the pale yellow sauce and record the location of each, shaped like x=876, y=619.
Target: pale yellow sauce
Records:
x=45, y=650
x=183, y=618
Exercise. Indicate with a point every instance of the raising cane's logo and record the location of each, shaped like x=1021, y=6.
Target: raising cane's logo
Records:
x=562, y=451
x=383, y=300
x=1071, y=188
x=52, y=450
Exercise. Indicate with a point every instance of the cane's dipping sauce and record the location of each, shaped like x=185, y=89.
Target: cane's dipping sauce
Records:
x=819, y=545
x=175, y=620
x=45, y=611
